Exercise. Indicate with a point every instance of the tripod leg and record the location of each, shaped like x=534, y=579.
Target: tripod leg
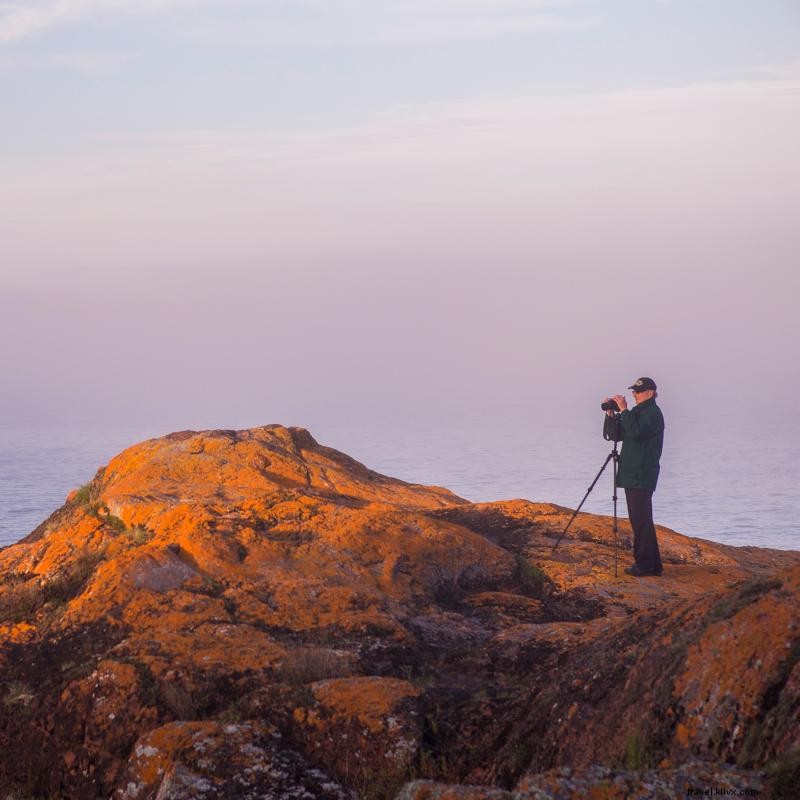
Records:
x=588, y=491
x=616, y=529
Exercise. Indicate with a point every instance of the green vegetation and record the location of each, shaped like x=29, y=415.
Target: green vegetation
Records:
x=532, y=579
x=637, y=753
x=83, y=495
x=235, y=713
x=138, y=534
x=115, y=522
x=747, y=593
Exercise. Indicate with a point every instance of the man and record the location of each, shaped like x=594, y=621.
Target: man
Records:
x=641, y=431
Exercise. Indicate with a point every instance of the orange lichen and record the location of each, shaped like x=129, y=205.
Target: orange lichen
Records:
x=370, y=700
x=17, y=634
x=728, y=670
x=257, y=573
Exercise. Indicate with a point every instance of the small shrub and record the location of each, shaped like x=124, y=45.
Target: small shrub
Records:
x=139, y=535
x=101, y=512
x=83, y=495
x=115, y=522
x=443, y=583
x=532, y=579
x=234, y=713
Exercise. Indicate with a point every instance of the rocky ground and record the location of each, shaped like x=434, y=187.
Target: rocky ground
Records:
x=248, y=614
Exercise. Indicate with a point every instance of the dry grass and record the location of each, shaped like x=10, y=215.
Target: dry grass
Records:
x=21, y=601
x=17, y=693
x=308, y=664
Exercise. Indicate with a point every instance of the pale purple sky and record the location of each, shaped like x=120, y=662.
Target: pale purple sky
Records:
x=225, y=214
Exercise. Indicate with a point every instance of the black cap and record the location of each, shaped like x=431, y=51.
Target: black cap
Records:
x=644, y=385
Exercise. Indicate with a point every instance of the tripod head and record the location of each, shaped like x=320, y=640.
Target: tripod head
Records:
x=612, y=429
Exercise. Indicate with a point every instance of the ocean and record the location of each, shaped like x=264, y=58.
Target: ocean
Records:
x=726, y=482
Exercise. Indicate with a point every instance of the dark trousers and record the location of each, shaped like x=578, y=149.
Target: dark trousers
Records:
x=645, y=544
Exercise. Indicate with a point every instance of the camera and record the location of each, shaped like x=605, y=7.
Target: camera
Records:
x=609, y=405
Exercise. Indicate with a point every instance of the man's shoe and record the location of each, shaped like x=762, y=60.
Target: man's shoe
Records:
x=638, y=572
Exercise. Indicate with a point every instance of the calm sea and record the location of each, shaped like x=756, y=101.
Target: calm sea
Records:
x=723, y=482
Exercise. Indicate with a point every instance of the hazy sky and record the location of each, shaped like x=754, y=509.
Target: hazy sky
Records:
x=232, y=213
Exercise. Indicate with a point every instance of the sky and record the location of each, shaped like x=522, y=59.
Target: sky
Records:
x=222, y=214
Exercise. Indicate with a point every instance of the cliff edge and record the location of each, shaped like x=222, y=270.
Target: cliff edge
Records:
x=250, y=614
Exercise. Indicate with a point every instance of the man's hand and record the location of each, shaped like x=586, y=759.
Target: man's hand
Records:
x=621, y=402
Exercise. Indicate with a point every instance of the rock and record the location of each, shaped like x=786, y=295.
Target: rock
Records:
x=600, y=783
x=199, y=760
x=430, y=790
x=604, y=783
x=750, y=710
x=244, y=613
x=362, y=725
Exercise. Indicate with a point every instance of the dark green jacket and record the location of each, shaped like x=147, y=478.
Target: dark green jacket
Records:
x=641, y=431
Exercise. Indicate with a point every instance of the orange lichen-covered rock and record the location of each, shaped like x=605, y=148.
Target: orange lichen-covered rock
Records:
x=726, y=689
x=225, y=468
x=366, y=726
x=113, y=707
x=603, y=783
x=505, y=606
x=195, y=760
x=17, y=634
x=371, y=701
x=229, y=614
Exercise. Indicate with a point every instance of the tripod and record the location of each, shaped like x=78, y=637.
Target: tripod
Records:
x=610, y=434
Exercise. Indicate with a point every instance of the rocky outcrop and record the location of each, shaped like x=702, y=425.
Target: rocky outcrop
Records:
x=251, y=614
x=196, y=760
x=602, y=783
